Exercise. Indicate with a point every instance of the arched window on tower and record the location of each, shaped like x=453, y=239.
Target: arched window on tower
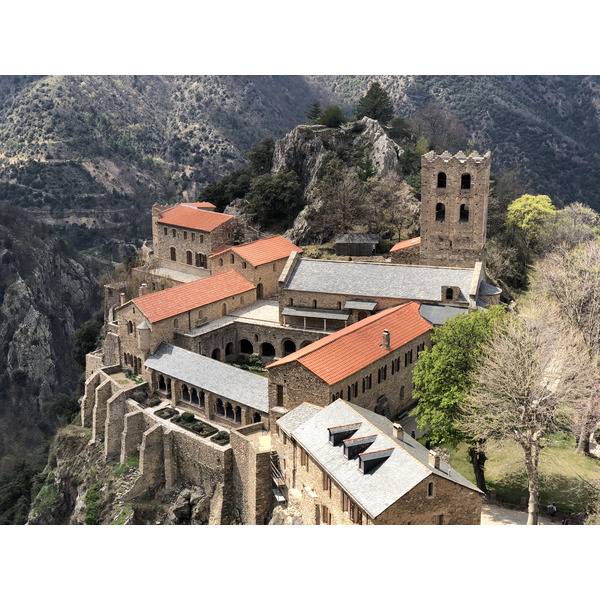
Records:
x=465, y=181
x=464, y=213
x=440, y=212
x=441, y=180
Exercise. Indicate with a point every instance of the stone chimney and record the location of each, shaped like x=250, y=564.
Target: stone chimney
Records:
x=143, y=289
x=386, y=340
x=122, y=298
x=434, y=459
x=398, y=432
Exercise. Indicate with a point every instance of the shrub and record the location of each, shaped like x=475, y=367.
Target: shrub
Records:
x=139, y=396
x=221, y=438
x=187, y=417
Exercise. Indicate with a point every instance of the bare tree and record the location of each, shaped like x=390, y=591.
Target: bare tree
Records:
x=571, y=279
x=523, y=392
x=440, y=126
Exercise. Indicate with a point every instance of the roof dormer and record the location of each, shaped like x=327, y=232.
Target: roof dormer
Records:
x=354, y=446
x=342, y=432
x=367, y=461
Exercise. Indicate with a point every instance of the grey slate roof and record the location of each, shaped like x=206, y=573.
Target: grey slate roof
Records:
x=377, y=490
x=438, y=314
x=335, y=315
x=373, y=280
x=357, y=238
x=487, y=289
x=211, y=375
x=360, y=305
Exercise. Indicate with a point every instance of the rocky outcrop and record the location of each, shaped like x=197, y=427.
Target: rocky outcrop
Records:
x=305, y=149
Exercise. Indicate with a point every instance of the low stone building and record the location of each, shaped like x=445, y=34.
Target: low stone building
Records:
x=356, y=244
x=260, y=262
x=346, y=465
x=145, y=322
x=216, y=391
x=370, y=363
x=406, y=252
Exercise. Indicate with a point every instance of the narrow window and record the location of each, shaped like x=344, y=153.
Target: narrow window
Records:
x=430, y=490
x=464, y=214
x=440, y=212
x=465, y=181
x=193, y=236
x=314, y=304
x=174, y=233
x=441, y=182
x=220, y=262
x=244, y=265
x=449, y=294
x=232, y=259
x=279, y=395
x=326, y=483
x=339, y=306
x=201, y=239
x=325, y=515
x=345, y=501
x=284, y=439
x=185, y=235
x=165, y=230
x=291, y=302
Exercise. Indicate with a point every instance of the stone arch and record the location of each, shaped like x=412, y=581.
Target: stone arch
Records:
x=465, y=181
x=361, y=315
x=260, y=291
x=229, y=349
x=267, y=350
x=256, y=418
x=223, y=309
x=238, y=414
x=229, y=414
x=194, y=397
x=464, y=214
x=305, y=343
x=288, y=346
x=185, y=393
x=173, y=253
x=162, y=384
x=441, y=179
x=246, y=347
x=216, y=354
x=440, y=212
x=219, y=407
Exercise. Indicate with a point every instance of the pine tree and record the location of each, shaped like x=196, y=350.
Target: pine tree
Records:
x=314, y=113
x=375, y=104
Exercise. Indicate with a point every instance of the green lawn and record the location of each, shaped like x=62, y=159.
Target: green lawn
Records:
x=563, y=474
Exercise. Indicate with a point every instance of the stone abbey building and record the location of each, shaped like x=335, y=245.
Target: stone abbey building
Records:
x=319, y=431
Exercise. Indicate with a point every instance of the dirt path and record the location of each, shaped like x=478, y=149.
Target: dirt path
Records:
x=491, y=514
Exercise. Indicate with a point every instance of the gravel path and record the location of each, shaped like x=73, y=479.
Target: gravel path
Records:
x=491, y=514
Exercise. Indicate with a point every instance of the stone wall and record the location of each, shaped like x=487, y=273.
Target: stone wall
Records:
x=454, y=241
x=406, y=256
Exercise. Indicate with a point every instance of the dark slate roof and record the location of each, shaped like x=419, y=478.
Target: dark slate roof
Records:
x=360, y=305
x=438, y=314
x=211, y=375
x=376, y=280
x=405, y=467
x=487, y=289
x=317, y=313
x=357, y=238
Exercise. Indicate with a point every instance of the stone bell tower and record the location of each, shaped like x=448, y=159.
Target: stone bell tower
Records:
x=454, y=205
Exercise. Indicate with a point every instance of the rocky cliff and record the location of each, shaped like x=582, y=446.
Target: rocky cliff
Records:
x=305, y=150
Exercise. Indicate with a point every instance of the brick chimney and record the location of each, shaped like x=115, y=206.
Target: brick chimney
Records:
x=398, y=432
x=122, y=298
x=434, y=459
x=143, y=289
x=386, y=340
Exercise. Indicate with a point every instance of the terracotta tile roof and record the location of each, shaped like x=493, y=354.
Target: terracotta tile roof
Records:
x=349, y=350
x=406, y=244
x=188, y=296
x=206, y=205
x=263, y=251
x=221, y=249
x=193, y=218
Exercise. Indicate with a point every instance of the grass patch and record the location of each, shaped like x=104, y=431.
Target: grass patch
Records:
x=126, y=512
x=563, y=473
x=47, y=497
x=92, y=505
x=133, y=462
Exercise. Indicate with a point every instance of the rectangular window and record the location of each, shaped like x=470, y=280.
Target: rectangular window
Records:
x=279, y=395
x=325, y=515
x=326, y=484
x=304, y=458
x=193, y=236
x=284, y=439
x=185, y=235
x=345, y=501
x=244, y=265
x=359, y=517
x=385, y=372
x=165, y=231
x=352, y=512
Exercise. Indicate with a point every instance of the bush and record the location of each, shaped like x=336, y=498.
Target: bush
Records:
x=187, y=417
x=139, y=396
x=221, y=438
x=332, y=116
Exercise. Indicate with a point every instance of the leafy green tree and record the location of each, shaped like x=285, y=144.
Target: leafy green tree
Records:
x=332, y=116
x=529, y=214
x=86, y=337
x=275, y=200
x=443, y=378
x=375, y=104
x=260, y=157
x=232, y=186
x=314, y=112
x=400, y=129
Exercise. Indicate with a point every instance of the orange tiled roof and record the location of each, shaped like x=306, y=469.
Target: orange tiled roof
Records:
x=406, y=244
x=188, y=296
x=221, y=249
x=193, y=218
x=349, y=350
x=263, y=251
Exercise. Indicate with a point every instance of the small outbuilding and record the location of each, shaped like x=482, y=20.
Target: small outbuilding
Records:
x=356, y=244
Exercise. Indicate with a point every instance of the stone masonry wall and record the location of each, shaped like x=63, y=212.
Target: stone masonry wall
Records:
x=453, y=241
